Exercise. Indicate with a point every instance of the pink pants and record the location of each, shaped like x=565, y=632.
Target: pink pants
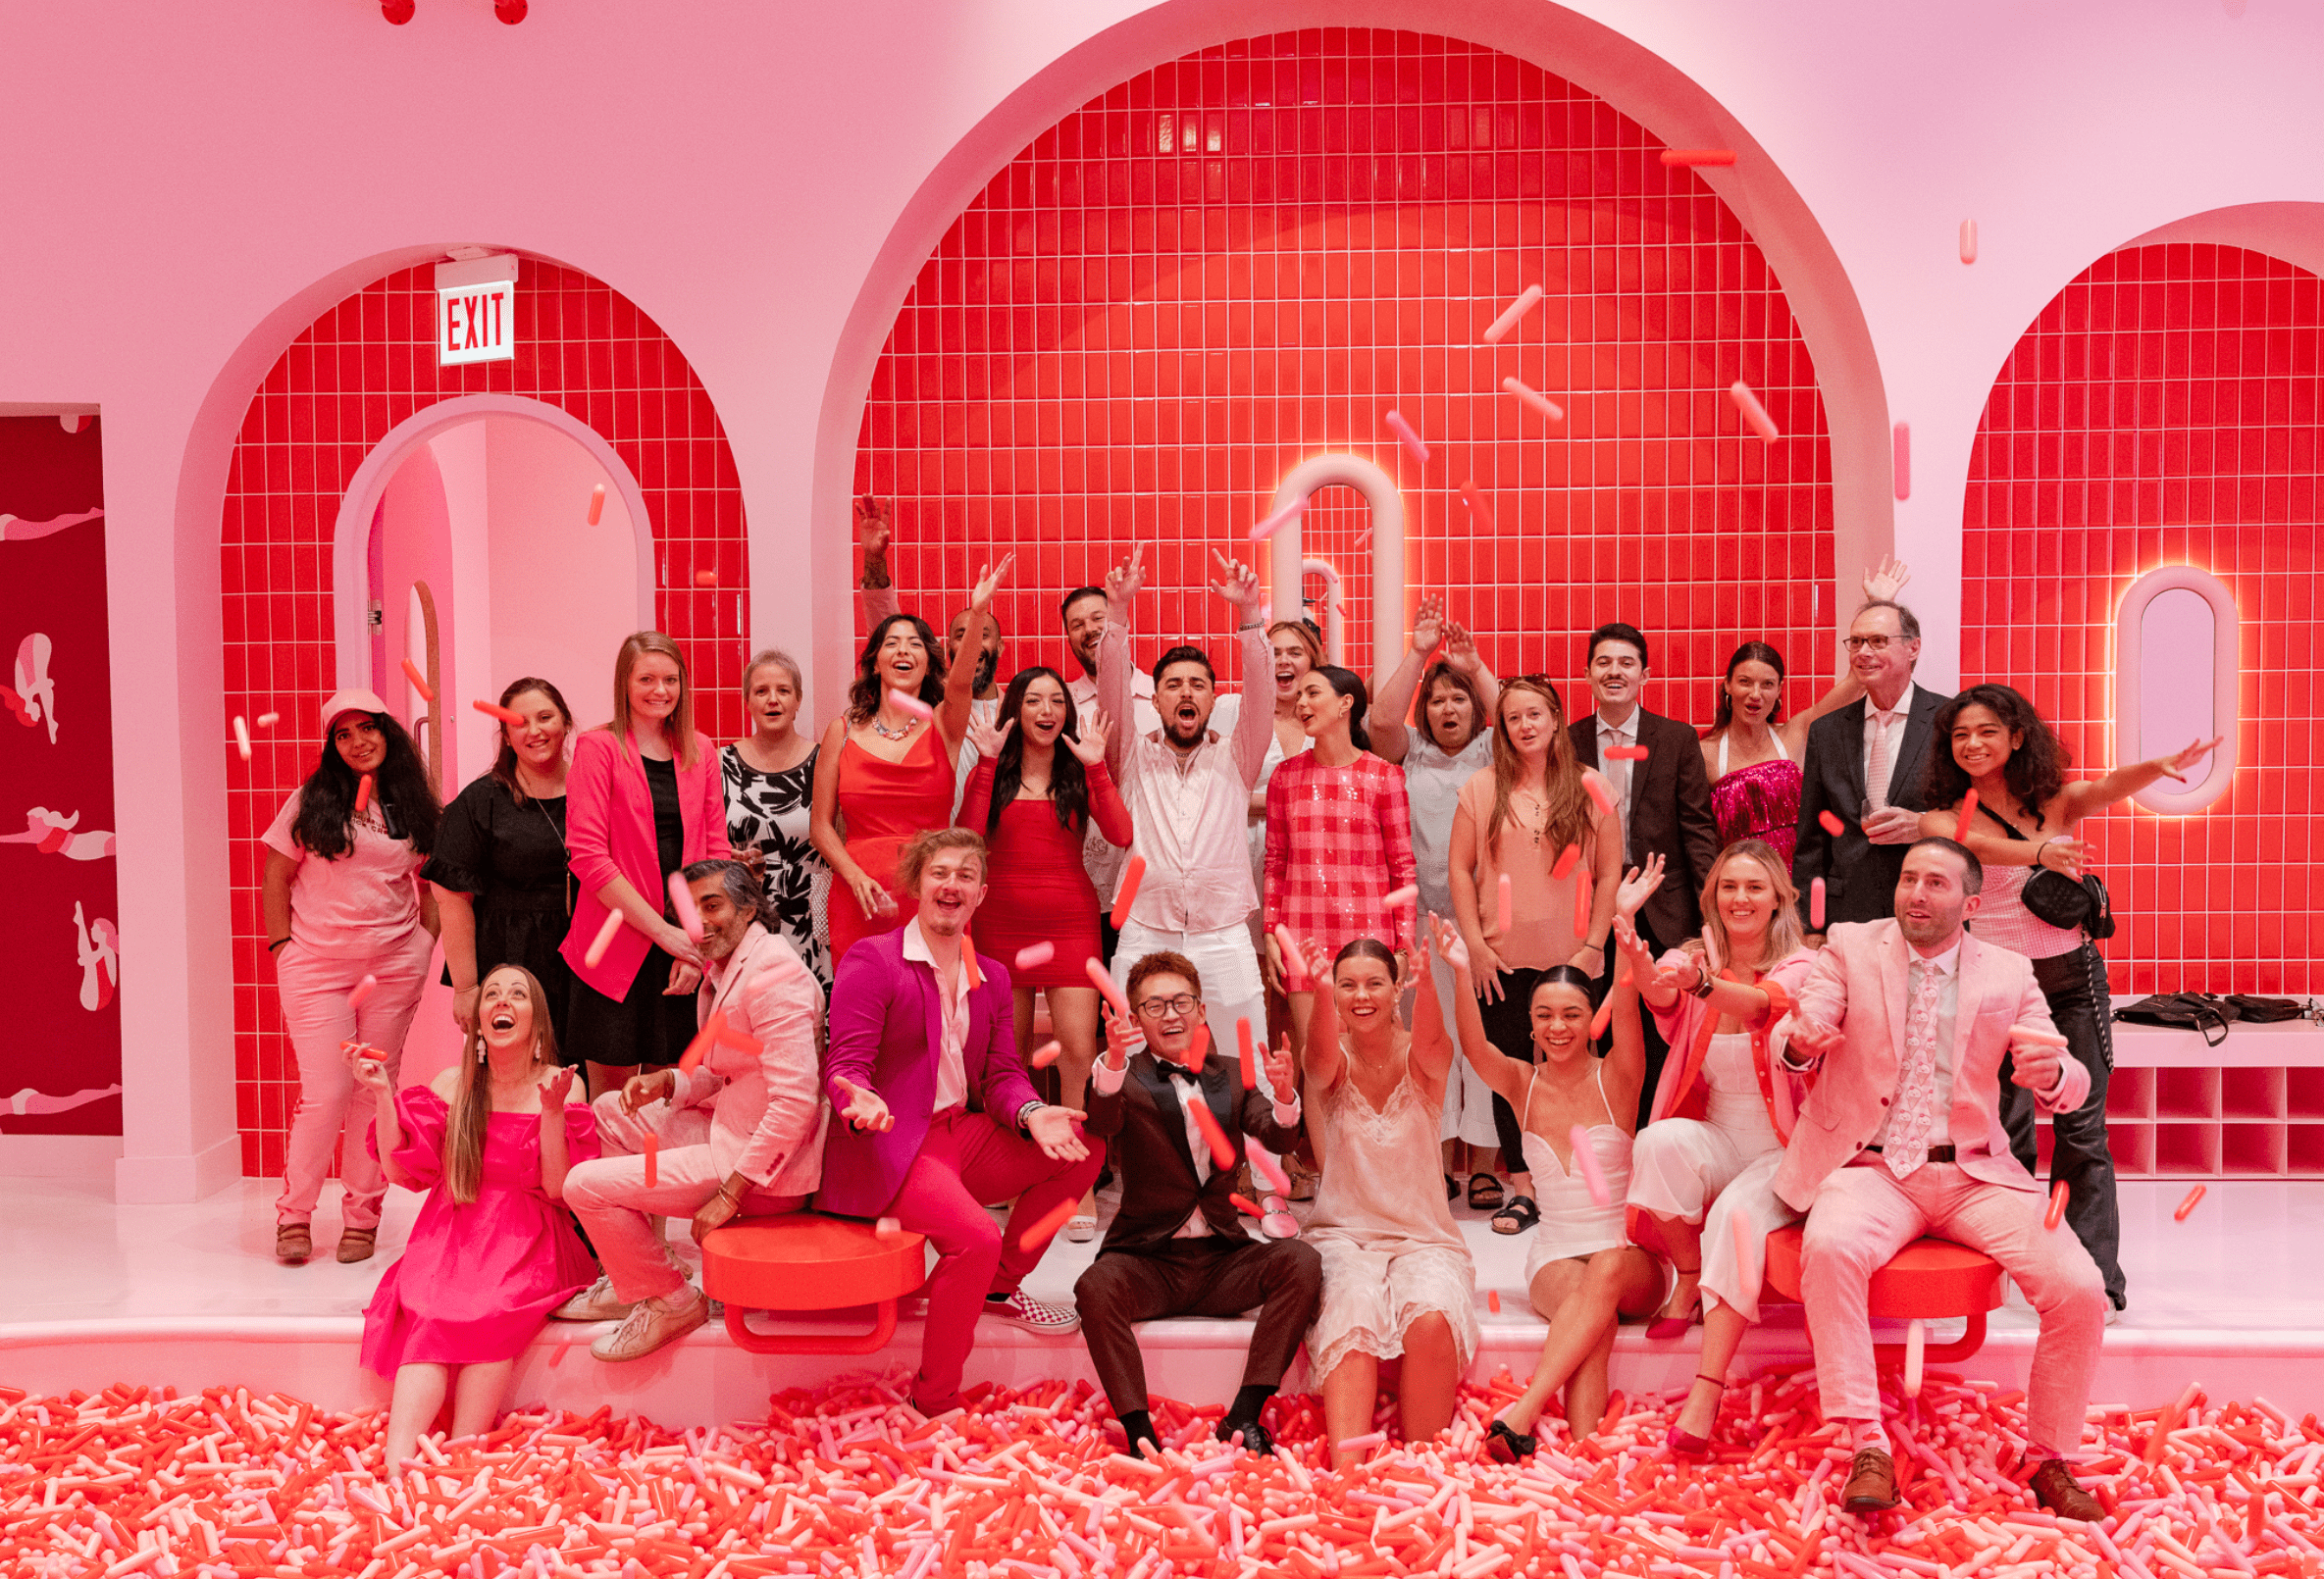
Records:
x=333, y=1111
x=967, y=1160
x=616, y=1206
x=1864, y=1214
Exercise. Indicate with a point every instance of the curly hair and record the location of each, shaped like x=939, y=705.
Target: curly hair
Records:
x=2037, y=760
x=864, y=696
x=326, y=820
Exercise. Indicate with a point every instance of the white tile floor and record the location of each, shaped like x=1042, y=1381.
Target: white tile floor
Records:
x=94, y=1292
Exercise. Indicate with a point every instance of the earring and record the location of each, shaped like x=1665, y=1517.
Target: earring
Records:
x=483, y=1053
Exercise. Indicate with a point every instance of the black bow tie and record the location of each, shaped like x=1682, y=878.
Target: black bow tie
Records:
x=1180, y=1072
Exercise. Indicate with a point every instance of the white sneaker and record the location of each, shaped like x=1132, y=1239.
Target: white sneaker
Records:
x=1021, y=1310
x=1080, y=1230
x=652, y=1324
x=596, y=1303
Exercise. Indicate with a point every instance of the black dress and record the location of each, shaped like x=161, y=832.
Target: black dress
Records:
x=509, y=859
x=646, y=1025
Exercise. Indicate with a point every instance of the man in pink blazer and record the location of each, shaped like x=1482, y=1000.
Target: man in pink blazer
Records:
x=937, y=1117
x=740, y=1131
x=1906, y=1022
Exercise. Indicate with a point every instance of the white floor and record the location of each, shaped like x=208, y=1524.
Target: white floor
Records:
x=191, y=1294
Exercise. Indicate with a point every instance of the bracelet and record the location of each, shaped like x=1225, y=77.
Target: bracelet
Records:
x=1706, y=986
x=1247, y=625
x=277, y=943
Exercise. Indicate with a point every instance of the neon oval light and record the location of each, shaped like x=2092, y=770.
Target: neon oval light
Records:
x=1286, y=564
x=2179, y=672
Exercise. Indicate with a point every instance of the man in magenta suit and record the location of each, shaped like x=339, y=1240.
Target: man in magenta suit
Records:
x=1908, y=1021
x=920, y=1025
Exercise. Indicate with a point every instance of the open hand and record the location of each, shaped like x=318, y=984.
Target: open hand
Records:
x=1883, y=583
x=1428, y=623
x=1051, y=1130
x=1282, y=1070
x=2175, y=765
x=1814, y=1036
x=1639, y=886
x=989, y=583
x=554, y=1089
x=1093, y=729
x=1459, y=649
x=873, y=529
x=986, y=737
x=864, y=1110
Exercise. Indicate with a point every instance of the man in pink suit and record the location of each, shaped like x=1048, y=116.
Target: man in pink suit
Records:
x=740, y=1131
x=1907, y=1021
x=920, y=1025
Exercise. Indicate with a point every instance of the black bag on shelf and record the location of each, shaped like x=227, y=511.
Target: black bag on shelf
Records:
x=2266, y=1010
x=2183, y=1011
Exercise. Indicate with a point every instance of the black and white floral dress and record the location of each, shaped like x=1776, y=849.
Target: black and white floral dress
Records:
x=771, y=811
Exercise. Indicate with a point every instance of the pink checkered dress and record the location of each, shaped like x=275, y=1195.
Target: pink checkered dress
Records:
x=1338, y=840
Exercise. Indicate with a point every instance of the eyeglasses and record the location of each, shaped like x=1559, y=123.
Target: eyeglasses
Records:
x=1156, y=1008
x=1871, y=643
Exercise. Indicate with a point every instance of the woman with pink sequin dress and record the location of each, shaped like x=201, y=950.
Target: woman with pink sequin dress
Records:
x=1338, y=836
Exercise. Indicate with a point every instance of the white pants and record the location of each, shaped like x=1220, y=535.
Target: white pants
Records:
x=1699, y=1172
x=1231, y=988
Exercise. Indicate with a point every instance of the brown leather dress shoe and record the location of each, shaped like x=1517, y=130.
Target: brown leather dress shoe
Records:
x=1872, y=1483
x=2055, y=1488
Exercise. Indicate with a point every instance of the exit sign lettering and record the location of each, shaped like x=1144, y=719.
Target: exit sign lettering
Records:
x=476, y=323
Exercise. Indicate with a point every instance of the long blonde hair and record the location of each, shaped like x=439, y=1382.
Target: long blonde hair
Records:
x=682, y=744
x=472, y=1104
x=1569, y=802
x=1785, y=935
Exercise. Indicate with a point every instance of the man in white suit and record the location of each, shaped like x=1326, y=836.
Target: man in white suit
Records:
x=1908, y=1021
x=743, y=1131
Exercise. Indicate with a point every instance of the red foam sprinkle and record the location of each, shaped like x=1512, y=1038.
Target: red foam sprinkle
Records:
x=506, y=715
x=1697, y=156
x=2057, y=1204
x=1565, y=859
x=1133, y=871
x=363, y=790
x=824, y=1476
x=411, y=672
x=1832, y=824
x=1047, y=1053
x=2189, y=1204
x=1223, y=1150
x=1035, y=955
x=1038, y=1235
x=1816, y=903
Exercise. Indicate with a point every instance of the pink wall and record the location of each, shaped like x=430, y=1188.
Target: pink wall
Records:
x=195, y=184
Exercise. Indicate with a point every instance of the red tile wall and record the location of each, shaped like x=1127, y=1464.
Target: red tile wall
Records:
x=1243, y=258
x=355, y=373
x=2164, y=410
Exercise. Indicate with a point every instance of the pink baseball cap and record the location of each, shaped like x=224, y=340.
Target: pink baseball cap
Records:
x=353, y=699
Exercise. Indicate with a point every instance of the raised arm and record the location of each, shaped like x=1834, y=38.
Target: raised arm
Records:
x=1394, y=700
x=2083, y=796
x=1506, y=1076
x=877, y=589
x=1431, y=1041
x=960, y=681
x=1881, y=583
x=1255, y=712
x=1319, y=1056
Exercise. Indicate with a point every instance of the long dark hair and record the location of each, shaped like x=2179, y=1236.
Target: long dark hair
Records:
x=864, y=696
x=326, y=801
x=1069, y=785
x=2036, y=768
x=504, y=760
x=1349, y=684
x=1748, y=652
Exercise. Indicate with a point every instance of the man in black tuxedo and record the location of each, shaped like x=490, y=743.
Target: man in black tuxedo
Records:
x=1177, y=1245
x=1866, y=765
x=1664, y=802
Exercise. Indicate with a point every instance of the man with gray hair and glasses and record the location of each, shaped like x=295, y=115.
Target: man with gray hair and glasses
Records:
x=742, y=1131
x=1865, y=766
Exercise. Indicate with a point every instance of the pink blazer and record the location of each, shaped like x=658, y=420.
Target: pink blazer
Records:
x=610, y=833
x=1858, y=985
x=766, y=1108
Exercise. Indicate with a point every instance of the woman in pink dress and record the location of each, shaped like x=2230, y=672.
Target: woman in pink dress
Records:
x=885, y=770
x=1752, y=754
x=1338, y=836
x=492, y=1252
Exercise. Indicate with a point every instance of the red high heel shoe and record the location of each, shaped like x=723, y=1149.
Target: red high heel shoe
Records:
x=1662, y=1327
x=1685, y=1445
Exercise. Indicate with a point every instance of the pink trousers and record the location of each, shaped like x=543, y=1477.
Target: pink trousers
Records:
x=333, y=1111
x=1864, y=1214
x=616, y=1206
x=967, y=1160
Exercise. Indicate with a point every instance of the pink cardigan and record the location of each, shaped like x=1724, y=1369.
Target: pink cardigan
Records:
x=610, y=833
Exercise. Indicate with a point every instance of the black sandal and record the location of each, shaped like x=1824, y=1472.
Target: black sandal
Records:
x=1518, y=1215
x=1486, y=1192
x=1505, y=1445
x=1452, y=1191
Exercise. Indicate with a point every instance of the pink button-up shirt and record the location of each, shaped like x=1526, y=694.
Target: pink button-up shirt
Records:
x=952, y=1065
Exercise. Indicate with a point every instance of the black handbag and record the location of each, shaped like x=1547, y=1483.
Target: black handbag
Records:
x=2059, y=901
x=2266, y=1010
x=2183, y=1011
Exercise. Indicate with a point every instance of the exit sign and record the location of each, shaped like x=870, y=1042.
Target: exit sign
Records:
x=476, y=310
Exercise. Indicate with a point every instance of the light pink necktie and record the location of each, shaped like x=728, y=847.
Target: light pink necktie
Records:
x=1907, y=1145
x=1876, y=770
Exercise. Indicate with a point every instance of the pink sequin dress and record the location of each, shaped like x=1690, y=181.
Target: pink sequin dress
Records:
x=476, y=1282
x=1759, y=801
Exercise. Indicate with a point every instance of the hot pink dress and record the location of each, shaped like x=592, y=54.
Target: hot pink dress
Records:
x=476, y=1282
x=1759, y=801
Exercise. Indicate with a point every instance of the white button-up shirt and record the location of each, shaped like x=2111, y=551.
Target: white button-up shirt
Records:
x=1189, y=812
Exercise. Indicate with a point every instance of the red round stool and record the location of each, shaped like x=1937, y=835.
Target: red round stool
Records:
x=1928, y=1280
x=806, y=1262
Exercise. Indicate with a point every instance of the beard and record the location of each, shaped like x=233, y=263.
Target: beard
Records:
x=986, y=668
